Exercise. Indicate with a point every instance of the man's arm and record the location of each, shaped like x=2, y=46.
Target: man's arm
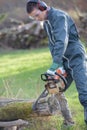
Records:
x=60, y=33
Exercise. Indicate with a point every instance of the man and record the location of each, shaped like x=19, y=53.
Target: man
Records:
x=64, y=44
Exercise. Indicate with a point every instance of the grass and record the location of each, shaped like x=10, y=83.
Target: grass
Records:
x=20, y=71
x=20, y=78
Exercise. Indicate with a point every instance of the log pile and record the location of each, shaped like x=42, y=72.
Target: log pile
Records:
x=22, y=36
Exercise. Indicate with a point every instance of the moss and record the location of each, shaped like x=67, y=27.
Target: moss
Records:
x=15, y=111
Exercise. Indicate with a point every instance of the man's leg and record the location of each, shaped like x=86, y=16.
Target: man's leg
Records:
x=79, y=66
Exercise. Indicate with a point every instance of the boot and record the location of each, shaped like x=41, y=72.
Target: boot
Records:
x=85, y=115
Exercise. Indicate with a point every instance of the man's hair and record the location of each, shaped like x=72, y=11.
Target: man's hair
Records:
x=30, y=6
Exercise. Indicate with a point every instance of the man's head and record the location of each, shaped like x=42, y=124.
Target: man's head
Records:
x=36, y=9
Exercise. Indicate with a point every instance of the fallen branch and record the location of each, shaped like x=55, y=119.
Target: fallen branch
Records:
x=18, y=122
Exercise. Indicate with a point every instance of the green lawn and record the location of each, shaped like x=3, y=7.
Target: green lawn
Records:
x=20, y=72
x=20, y=78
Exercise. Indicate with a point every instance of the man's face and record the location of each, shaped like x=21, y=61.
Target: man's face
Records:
x=38, y=15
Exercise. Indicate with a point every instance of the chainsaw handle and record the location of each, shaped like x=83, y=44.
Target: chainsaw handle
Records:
x=45, y=77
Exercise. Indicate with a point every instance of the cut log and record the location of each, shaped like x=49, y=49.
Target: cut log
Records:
x=15, y=114
x=22, y=109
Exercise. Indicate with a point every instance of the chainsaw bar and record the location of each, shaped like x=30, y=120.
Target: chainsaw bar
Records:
x=41, y=106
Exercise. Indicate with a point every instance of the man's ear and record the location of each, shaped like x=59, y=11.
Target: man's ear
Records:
x=42, y=5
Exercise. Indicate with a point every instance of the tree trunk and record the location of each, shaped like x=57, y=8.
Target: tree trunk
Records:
x=13, y=110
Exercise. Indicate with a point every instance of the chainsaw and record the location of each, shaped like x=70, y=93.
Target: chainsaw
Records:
x=47, y=104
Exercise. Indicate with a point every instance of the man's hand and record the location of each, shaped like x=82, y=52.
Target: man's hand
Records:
x=50, y=72
x=52, y=69
x=56, y=68
x=58, y=74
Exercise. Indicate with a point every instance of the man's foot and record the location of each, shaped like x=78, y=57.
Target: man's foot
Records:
x=85, y=115
x=86, y=122
x=69, y=122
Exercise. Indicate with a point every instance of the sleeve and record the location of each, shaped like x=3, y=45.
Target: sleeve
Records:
x=60, y=33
